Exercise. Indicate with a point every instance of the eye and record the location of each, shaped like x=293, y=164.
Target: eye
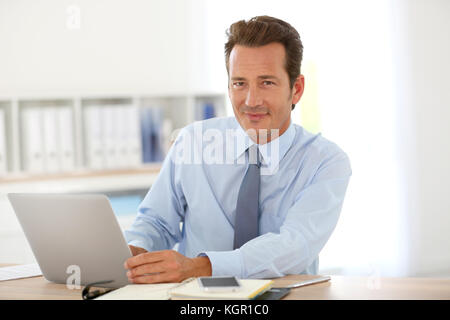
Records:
x=268, y=83
x=238, y=84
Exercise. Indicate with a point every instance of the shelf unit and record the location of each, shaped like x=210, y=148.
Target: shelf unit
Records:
x=177, y=109
x=180, y=109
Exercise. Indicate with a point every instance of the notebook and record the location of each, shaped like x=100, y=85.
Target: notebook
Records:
x=250, y=289
x=189, y=289
x=158, y=291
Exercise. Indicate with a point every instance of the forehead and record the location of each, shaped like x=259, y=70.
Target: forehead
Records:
x=267, y=59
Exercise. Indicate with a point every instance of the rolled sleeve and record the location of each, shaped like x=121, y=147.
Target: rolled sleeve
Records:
x=139, y=244
x=226, y=263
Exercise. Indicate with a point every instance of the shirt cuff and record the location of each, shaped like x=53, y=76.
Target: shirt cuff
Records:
x=225, y=263
x=138, y=243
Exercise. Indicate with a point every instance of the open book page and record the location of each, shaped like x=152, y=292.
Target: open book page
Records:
x=158, y=291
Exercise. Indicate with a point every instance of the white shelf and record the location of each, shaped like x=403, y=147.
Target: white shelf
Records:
x=179, y=108
x=82, y=181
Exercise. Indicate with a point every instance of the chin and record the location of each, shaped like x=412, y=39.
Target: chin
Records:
x=252, y=129
x=250, y=125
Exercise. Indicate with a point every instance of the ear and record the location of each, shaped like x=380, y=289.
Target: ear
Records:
x=297, y=90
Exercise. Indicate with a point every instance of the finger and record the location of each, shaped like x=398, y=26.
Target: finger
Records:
x=145, y=269
x=144, y=258
x=164, y=277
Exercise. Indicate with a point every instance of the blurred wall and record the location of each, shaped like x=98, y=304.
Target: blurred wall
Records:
x=56, y=47
x=422, y=46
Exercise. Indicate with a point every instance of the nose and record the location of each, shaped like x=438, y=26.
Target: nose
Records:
x=253, y=98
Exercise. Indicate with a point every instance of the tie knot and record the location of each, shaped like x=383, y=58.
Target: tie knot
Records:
x=254, y=157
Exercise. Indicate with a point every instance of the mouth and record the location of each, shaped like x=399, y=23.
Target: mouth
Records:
x=255, y=116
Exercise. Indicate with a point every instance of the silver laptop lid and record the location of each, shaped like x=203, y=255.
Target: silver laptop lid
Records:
x=73, y=235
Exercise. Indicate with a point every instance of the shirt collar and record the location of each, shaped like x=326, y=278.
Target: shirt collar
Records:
x=243, y=142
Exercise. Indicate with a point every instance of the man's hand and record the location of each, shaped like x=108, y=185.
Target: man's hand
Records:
x=165, y=266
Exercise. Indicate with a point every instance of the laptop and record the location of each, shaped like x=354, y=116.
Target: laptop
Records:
x=75, y=239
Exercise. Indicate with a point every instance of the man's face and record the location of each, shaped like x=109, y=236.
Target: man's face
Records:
x=259, y=89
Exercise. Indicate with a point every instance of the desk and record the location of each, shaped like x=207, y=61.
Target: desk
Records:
x=340, y=287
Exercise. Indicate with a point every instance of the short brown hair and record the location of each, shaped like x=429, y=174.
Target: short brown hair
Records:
x=262, y=30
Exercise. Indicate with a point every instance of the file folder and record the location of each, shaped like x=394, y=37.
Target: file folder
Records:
x=3, y=155
x=94, y=142
x=67, y=142
x=131, y=136
x=50, y=139
x=32, y=140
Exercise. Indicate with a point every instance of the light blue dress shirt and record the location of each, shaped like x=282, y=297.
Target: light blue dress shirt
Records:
x=301, y=195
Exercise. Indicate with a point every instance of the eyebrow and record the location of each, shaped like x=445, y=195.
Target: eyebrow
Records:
x=263, y=77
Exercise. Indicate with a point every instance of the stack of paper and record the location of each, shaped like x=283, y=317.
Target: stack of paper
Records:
x=20, y=271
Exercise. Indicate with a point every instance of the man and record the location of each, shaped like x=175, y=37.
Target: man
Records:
x=267, y=209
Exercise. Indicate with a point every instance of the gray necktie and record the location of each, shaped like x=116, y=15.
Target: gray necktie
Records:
x=246, y=224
